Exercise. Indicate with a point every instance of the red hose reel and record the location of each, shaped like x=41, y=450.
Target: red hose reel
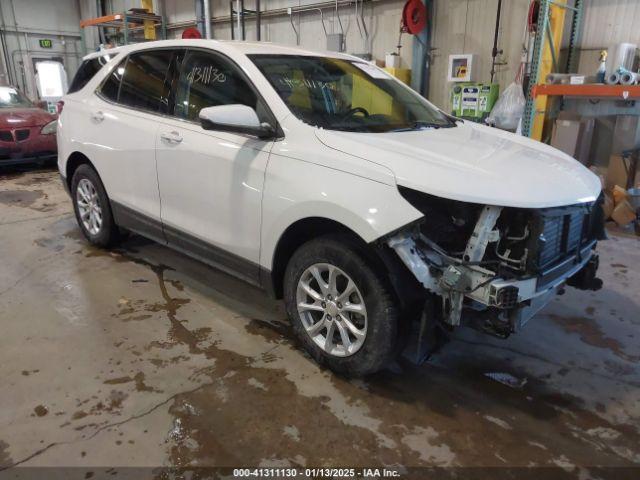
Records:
x=414, y=17
x=191, y=33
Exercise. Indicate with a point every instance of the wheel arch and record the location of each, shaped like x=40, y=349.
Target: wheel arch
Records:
x=297, y=234
x=74, y=160
x=309, y=228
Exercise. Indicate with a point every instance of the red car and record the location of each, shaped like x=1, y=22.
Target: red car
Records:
x=27, y=133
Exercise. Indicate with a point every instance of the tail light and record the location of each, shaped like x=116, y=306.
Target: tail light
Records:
x=59, y=106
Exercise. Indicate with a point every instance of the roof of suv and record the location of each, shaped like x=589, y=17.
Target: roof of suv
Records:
x=242, y=47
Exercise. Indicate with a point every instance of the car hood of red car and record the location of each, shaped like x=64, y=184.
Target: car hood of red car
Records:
x=24, y=117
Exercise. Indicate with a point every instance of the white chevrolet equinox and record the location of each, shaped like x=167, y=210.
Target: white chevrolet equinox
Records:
x=382, y=221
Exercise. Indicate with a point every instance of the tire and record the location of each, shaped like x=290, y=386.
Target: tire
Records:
x=86, y=179
x=380, y=320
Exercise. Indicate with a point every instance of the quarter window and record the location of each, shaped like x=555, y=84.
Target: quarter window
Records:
x=111, y=85
x=144, y=82
x=87, y=71
x=207, y=80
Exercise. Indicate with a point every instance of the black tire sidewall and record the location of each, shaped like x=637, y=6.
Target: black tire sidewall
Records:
x=108, y=232
x=382, y=315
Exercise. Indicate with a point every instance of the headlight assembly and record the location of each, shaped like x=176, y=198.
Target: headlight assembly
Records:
x=50, y=128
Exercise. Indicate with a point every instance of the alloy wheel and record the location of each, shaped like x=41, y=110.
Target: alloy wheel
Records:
x=89, y=206
x=332, y=309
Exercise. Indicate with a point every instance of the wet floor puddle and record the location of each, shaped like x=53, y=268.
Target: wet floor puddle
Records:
x=424, y=416
x=250, y=410
x=5, y=459
x=591, y=334
x=20, y=198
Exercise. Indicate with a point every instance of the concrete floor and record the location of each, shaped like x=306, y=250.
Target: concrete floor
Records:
x=143, y=357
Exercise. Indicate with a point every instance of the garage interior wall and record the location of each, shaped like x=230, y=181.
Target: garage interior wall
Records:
x=23, y=24
x=466, y=26
x=459, y=26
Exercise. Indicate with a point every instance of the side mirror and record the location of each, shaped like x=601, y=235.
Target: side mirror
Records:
x=236, y=119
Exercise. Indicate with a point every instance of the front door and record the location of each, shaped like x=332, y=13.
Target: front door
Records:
x=211, y=182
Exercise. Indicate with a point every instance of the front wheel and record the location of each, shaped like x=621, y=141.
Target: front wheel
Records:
x=340, y=306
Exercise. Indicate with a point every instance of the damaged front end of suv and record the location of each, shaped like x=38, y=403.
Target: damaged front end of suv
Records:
x=493, y=267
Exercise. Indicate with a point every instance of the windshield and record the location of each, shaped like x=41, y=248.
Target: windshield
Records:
x=11, y=98
x=347, y=95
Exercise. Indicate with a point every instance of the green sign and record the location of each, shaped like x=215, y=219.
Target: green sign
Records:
x=46, y=43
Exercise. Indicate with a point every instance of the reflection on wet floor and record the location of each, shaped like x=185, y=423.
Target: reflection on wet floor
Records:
x=249, y=396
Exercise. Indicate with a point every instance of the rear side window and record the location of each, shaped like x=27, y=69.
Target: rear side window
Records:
x=87, y=71
x=111, y=85
x=206, y=80
x=145, y=82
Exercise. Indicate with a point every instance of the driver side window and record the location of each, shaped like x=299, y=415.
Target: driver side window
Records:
x=207, y=80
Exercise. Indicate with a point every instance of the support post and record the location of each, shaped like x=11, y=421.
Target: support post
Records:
x=244, y=35
x=207, y=19
x=551, y=17
x=233, y=36
x=258, y=26
x=200, y=15
x=422, y=55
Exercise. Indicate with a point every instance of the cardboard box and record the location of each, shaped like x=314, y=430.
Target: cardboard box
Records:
x=619, y=195
x=602, y=140
x=623, y=214
x=617, y=174
x=607, y=206
x=573, y=134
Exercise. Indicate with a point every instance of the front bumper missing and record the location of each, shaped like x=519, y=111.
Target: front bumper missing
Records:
x=517, y=299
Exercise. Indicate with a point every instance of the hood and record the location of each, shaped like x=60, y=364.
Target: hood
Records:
x=24, y=117
x=474, y=163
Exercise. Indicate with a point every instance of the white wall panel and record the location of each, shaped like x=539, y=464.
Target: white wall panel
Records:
x=382, y=20
x=609, y=22
x=460, y=26
x=467, y=26
x=25, y=22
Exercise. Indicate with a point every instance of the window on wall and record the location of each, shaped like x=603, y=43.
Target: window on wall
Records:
x=145, y=83
x=207, y=80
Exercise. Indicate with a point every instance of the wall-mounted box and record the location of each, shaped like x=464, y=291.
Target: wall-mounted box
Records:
x=335, y=42
x=462, y=68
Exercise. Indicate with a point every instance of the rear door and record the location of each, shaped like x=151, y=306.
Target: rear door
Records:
x=123, y=119
x=211, y=182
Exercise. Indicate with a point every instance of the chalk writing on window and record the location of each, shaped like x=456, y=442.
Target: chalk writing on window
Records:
x=308, y=83
x=206, y=75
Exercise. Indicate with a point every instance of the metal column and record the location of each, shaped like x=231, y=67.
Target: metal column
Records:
x=574, y=37
x=546, y=48
x=258, y=20
x=422, y=55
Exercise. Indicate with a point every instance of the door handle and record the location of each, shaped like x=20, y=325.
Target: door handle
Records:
x=171, y=137
x=97, y=116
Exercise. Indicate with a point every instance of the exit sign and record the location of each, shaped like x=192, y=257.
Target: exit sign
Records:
x=46, y=43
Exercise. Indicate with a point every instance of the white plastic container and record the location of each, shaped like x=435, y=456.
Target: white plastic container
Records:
x=621, y=55
x=392, y=60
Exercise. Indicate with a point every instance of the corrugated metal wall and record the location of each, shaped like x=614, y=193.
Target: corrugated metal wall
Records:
x=460, y=26
x=608, y=22
x=467, y=26
x=382, y=19
x=605, y=24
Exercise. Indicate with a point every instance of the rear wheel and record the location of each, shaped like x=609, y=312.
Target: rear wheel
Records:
x=92, y=207
x=340, y=306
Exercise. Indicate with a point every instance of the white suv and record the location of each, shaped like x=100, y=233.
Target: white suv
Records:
x=381, y=220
